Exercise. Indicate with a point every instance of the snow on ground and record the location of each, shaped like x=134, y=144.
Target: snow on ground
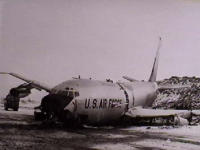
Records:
x=26, y=106
x=114, y=147
x=104, y=138
x=156, y=138
x=177, y=138
x=186, y=132
x=25, y=110
x=168, y=145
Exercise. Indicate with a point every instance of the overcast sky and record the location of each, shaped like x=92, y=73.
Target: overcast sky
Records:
x=54, y=40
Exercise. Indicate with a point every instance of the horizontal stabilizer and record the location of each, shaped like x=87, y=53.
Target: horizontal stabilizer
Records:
x=129, y=78
x=34, y=84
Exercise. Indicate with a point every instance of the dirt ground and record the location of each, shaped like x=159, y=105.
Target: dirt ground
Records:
x=18, y=130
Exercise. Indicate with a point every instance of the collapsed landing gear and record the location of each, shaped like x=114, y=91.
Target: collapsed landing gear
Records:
x=50, y=119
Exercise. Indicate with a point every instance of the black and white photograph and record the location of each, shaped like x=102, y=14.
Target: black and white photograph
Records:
x=99, y=74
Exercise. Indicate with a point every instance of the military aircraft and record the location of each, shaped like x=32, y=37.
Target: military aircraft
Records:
x=99, y=102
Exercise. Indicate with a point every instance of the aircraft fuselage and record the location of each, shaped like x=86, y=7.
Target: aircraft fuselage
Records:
x=101, y=102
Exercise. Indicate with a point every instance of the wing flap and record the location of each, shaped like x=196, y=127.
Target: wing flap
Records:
x=147, y=113
x=166, y=87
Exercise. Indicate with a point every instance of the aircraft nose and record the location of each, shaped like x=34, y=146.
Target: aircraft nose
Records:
x=72, y=106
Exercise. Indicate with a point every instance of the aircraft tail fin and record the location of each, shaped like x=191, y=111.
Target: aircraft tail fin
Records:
x=155, y=65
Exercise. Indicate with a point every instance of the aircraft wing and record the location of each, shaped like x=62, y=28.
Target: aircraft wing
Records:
x=166, y=87
x=138, y=112
x=34, y=84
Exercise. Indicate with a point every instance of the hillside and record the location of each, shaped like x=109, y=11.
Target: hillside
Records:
x=185, y=98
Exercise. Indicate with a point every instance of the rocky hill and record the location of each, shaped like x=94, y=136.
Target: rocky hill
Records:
x=184, y=98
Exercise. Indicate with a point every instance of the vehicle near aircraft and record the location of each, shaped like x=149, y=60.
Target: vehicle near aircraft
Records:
x=13, y=98
x=94, y=102
x=11, y=102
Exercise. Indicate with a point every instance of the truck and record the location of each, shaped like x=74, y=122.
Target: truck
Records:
x=11, y=102
x=14, y=95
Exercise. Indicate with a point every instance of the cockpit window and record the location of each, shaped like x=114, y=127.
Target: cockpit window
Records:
x=70, y=92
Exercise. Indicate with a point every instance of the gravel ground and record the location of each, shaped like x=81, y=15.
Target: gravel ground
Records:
x=18, y=130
